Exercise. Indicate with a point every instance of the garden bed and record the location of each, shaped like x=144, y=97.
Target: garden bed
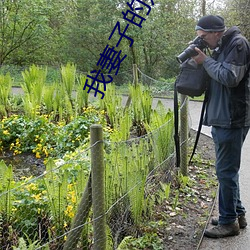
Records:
x=185, y=226
x=178, y=221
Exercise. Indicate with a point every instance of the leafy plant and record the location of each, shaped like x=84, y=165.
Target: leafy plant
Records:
x=161, y=126
x=6, y=184
x=176, y=199
x=5, y=90
x=48, y=98
x=112, y=105
x=141, y=104
x=82, y=96
x=184, y=181
x=30, y=208
x=56, y=187
x=68, y=74
x=147, y=241
x=43, y=137
x=164, y=191
x=34, y=81
x=22, y=245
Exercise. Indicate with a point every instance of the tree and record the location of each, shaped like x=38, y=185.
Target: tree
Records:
x=88, y=30
x=21, y=21
x=237, y=13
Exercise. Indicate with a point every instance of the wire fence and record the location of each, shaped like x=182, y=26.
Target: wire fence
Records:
x=163, y=86
x=55, y=210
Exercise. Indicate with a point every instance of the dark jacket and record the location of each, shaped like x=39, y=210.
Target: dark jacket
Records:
x=228, y=103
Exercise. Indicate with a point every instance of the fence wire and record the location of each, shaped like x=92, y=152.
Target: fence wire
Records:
x=47, y=204
x=158, y=87
x=44, y=210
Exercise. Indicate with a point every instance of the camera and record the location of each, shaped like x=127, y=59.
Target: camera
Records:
x=190, y=51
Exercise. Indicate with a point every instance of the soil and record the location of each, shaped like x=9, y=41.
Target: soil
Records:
x=187, y=222
x=25, y=164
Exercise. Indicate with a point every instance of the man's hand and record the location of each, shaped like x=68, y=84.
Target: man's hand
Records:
x=200, y=58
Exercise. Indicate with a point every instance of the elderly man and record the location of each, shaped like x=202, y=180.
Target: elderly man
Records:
x=228, y=112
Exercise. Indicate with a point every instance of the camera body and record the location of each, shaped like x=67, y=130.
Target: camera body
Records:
x=190, y=51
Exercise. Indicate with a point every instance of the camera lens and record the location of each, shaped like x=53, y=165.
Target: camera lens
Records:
x=187, y=53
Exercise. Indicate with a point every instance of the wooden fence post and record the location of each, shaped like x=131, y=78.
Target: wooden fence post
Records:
x=98, y=195
x=135, y=74
x=184, y=135
x=80, y=218
x=135, y=82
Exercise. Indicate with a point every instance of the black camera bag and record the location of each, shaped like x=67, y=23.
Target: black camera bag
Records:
x=192, y=79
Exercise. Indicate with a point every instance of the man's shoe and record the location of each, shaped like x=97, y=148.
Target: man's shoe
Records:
x=221, y=231
x=241, y=219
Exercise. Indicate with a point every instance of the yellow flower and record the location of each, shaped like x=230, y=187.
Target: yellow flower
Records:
x=16, y=152
x=26, y=178
x=31, y=187
x=6, y=132
x=38, y=155
x=14, y=209
x=37, y=197
x=73, y=199
x=69, y=211
x=103, y=112
x=45, y=151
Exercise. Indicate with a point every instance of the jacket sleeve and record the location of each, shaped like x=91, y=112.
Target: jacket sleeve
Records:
x=234, y=66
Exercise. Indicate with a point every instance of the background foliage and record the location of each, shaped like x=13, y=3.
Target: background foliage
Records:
x=55, y=32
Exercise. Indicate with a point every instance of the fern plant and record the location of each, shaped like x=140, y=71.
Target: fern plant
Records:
x=48, y=98
x=126, y=171
x=141, y=106
x=161, y=129
x=82, y=96
x=29, y=245
x=56, y=185
x=33, y=86
x=112, y=105
x=6, y=184
x=5, y=89
x=68, y=74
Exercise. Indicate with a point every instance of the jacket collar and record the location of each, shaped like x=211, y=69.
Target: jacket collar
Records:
x=231, y=32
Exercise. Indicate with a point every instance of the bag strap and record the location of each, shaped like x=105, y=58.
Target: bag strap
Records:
x=199, y=127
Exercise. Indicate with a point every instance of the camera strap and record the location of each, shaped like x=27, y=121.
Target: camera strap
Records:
x=176, y=127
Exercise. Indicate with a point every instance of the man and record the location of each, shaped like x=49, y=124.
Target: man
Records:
x=228, y=112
